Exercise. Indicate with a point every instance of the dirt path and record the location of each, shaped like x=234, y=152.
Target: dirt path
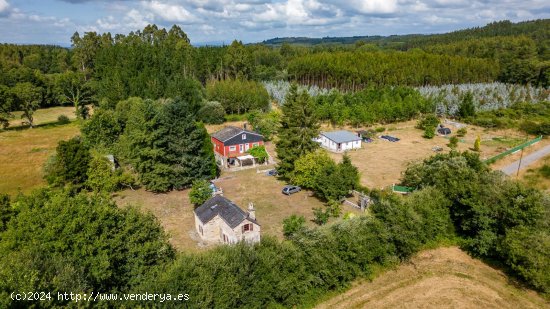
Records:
x=526, y=161
x=440, y=278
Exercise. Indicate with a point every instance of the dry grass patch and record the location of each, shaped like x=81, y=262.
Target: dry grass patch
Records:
x=439, y=278
x=24, y=152
x=381, y=162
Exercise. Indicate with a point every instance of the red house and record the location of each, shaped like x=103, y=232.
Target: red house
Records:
x=232, y=142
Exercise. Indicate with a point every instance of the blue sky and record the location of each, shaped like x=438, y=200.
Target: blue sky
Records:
x=54, y=21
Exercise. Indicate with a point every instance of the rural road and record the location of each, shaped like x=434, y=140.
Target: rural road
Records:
x=526, y=161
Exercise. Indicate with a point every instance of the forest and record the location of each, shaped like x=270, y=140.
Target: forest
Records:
x=145, y=98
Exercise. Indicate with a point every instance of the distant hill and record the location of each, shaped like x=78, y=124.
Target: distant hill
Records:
x=539, y=29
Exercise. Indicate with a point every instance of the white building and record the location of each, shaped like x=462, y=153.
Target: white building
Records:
x=339, y=141
x=219, y=220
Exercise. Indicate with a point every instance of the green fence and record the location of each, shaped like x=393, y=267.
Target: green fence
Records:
x=510, y=151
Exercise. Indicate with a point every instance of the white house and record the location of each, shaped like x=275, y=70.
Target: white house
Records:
x=219, y=220
x=339, y=141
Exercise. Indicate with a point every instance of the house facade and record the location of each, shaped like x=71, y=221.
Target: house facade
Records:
x=233, y=142
x=339, y=141
x=219, y=220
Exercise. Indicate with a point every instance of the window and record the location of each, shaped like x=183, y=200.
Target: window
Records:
x=248, y=227
x=244, y=136
x=200, y=230
x=241, y=148
x=256, y=144
x=232, y=148
x=225, y=238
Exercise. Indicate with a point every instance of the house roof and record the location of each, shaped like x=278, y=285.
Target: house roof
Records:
x=342, y=136
x=232, y=214
x=229, y=132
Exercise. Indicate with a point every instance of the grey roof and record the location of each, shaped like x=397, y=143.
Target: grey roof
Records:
x=229, y=132
x=342, y=136
x=232, y=214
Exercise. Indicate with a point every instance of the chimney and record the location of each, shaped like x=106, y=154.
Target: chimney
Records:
x=251, y=211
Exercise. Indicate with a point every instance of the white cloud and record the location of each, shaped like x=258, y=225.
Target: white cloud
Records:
x=4, y=5
x=169, y=12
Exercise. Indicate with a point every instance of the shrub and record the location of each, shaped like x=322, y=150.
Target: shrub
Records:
x=429, y=133
x=428, y=121
x=200, y=192
x=259, y=153
x=293, y=224
x=453, y=142
x=477, y=144
x=320, y=215
x=461, y=132
x=62, y=119
x=380, y=129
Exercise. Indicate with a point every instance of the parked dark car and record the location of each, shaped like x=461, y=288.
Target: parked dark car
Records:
x=272, y=172
x=390, y=138
x=367, y=140
x=288, y=190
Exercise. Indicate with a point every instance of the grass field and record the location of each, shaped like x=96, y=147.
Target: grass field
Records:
x=175, y=212
x=381, y=162
x=46, y=115
x=537, y=175
x=439, y=278
x=23, y=153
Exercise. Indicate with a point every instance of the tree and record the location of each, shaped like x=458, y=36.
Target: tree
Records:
x=307, y=168
x=70, y=164
x=299, y=127
x=467, y=107
x=259, y=153
x=200, y=192
x=103, y=129
x=72, y=87
x=212, y=112
x=103, y=177
x=82, y=242
x=293, y=224
x=334, y=181
x=6, y=106
x=321, y=215
x=6, y=211
x=27, y=99
x=266, y=124
x=477, y=144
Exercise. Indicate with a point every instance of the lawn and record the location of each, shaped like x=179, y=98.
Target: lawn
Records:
x=23, y=153
x=538, y=174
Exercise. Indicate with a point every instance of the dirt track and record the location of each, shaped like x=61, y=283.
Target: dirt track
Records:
x=440, y=278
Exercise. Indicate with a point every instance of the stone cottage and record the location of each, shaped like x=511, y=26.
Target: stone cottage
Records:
x=219, y=220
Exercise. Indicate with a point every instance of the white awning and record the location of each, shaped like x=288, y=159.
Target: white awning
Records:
x=242, y=158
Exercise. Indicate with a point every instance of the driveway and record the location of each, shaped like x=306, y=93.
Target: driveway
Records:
x=526, y=161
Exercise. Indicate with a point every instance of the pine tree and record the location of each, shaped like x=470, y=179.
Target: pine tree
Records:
x=299, y=126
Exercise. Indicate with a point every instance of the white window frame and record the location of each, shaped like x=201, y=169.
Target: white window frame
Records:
x=255, y=144
x=241, y=148
x=244, y=136
x=233, y=148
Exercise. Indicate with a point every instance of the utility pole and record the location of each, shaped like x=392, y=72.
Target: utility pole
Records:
x=519, y=165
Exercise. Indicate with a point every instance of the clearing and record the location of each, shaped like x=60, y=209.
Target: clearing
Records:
x=175, y=212
x=438, y=278
x=23, y=153
x=44, y=116
x=381, y=162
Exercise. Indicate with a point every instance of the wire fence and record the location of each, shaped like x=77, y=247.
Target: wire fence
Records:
x=499, y=156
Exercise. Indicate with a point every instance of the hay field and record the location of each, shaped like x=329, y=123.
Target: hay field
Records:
x=438, y=278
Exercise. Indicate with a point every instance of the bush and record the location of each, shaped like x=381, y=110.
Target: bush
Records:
x=62, y=119
x=429, y=133
x=427, y=122
x=69, y=165
x=259, y=153
x=321, y=215
x=461, y=132
x=453, y=142
x=380, y=129
x=200, y=192
x=293, y=224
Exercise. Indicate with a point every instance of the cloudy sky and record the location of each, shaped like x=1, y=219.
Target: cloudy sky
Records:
x=54, y=21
